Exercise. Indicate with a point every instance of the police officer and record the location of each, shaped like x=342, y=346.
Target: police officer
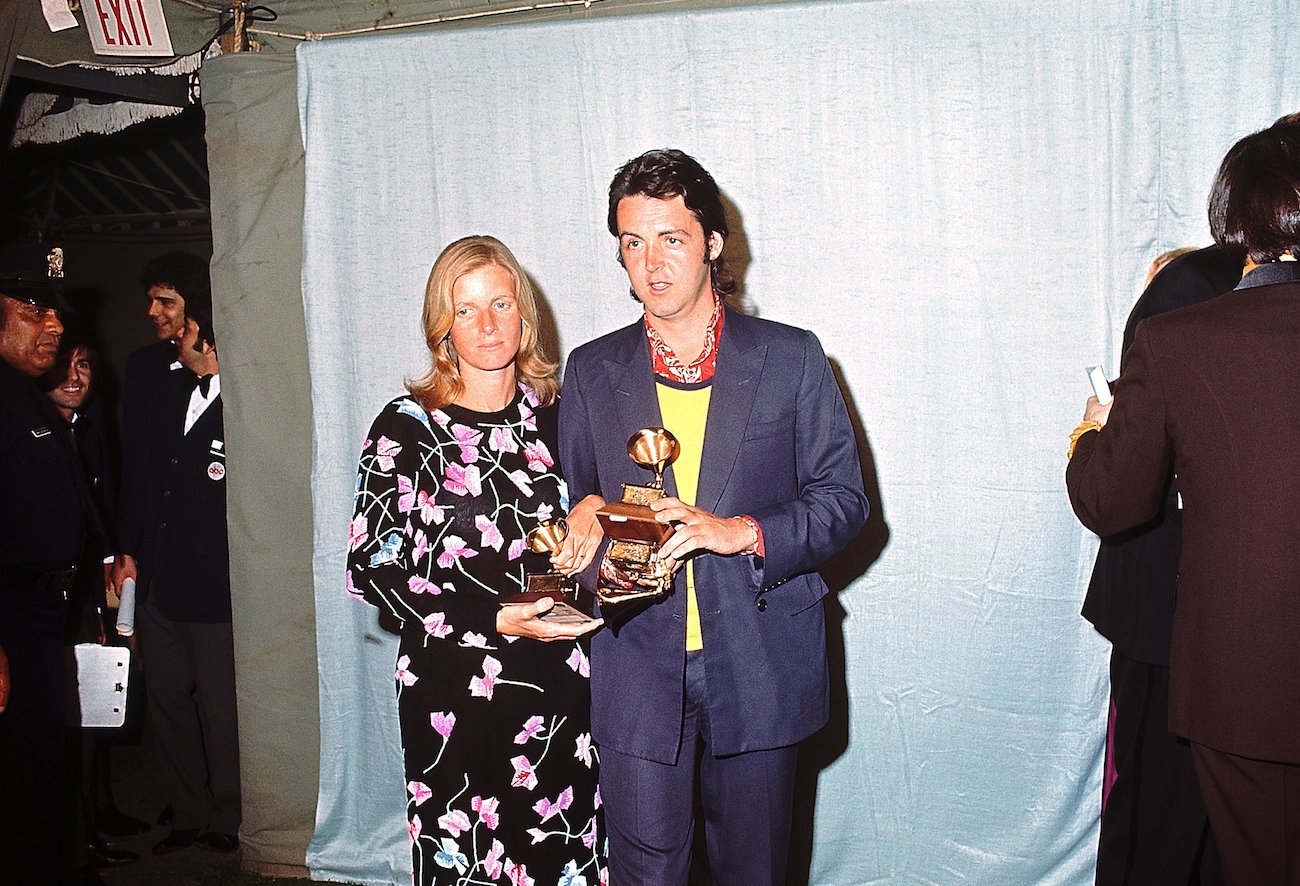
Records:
x=44, y=515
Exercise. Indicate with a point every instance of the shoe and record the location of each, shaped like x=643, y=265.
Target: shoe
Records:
x=104, y=856
x=177, y=839
x=165, y=817
x=115, y=823
x=214, y=841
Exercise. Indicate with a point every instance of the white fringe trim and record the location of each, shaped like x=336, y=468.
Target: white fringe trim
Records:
x=82, y=118
x=34, y=127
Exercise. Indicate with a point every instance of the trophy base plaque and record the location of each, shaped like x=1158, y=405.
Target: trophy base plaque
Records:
x=546, y=538
x=635, y=536
x=563, y=612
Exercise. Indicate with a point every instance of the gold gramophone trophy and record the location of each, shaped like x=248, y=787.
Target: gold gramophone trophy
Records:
x=546, y=538
x=635, y=535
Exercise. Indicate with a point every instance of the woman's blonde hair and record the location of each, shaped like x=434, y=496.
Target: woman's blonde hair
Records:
x=442, y=383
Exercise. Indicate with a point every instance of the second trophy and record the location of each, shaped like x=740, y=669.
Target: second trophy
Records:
x=546, y=538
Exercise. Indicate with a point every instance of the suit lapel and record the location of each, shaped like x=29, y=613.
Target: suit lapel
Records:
x=636, y=402
x=735, y=384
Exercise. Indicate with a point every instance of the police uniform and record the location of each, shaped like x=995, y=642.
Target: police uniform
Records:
x=44, y=519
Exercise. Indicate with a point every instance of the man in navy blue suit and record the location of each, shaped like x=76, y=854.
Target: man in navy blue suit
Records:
x=730, y=668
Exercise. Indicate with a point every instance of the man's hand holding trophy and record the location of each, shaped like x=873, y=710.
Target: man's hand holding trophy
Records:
x=635, y=534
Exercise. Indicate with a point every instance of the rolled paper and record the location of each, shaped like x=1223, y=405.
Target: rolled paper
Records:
x=126, y=609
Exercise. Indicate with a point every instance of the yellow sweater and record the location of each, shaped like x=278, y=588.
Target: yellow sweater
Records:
x=685, y=413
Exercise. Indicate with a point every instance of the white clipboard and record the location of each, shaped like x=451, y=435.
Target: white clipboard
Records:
x=102, y=674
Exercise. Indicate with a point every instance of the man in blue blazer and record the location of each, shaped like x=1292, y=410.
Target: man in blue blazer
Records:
x=730, y=668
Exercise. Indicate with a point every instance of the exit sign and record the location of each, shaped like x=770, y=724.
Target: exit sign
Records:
x=127, y=27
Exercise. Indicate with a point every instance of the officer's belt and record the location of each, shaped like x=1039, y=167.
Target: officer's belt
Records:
x=59, y=581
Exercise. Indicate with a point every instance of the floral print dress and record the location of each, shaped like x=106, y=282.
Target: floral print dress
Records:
x=500, y=769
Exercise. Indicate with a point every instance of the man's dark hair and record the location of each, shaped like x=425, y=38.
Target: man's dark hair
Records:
x=199, y=309
x=1255, y=199
x=75, y=337
x=182, y=271
x=668, y=173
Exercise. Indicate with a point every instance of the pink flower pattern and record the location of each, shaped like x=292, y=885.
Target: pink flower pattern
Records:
x=524, y=482
x=429, y=512
x=579, y=662
x=471, y=638
x=532, y=726
x=351, y=588
x=492, y=865
x=518, y=874
x=417, y=585
x=463, y=479
x=435, y=624
x=482, y=687
x=419, y=791
x=357, y=533
x=527, y=416
x=403, y=673
x=524, y=775
x=406, y=494
x=453, y=548
x=454, y=822
x=387, y=452
x=443, y=500
x=502, y=440
x=487, y=811
x=548, y=809
x=491, y=535
x=539, y=457
x=443, y=722
x=468, y=438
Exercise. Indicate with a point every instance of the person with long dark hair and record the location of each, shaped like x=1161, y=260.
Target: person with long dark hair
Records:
x=1212, y=392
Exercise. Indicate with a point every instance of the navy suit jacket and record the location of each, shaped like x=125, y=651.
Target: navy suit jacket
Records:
x=779, y=447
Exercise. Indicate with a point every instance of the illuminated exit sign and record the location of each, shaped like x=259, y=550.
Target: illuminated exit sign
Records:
x=127, y=27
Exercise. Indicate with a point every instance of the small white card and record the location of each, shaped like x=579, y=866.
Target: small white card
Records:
x=57, y=15
x=102, y=676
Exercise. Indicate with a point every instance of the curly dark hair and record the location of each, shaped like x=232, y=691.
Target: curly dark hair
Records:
x=667, y=173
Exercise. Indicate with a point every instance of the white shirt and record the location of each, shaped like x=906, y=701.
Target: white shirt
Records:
x=199, y=404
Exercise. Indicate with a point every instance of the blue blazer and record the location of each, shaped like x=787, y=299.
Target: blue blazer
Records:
x=778, y=447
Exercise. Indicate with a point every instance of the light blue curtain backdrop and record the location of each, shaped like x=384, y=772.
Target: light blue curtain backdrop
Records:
x=959, y=198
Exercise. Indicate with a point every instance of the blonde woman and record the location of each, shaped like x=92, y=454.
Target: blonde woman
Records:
x=494, y=704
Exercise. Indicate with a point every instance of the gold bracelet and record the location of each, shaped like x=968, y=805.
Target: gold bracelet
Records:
x=1083, y=428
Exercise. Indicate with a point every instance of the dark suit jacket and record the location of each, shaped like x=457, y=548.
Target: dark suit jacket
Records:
x=181, y=543
x=1131, y=596
x=779, y=447
x=1213, y=390
x=147, y=382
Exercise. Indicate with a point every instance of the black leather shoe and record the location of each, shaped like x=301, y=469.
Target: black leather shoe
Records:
x=103, y=856
x=177, y=839
x=115, y=823
x=213, y=841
